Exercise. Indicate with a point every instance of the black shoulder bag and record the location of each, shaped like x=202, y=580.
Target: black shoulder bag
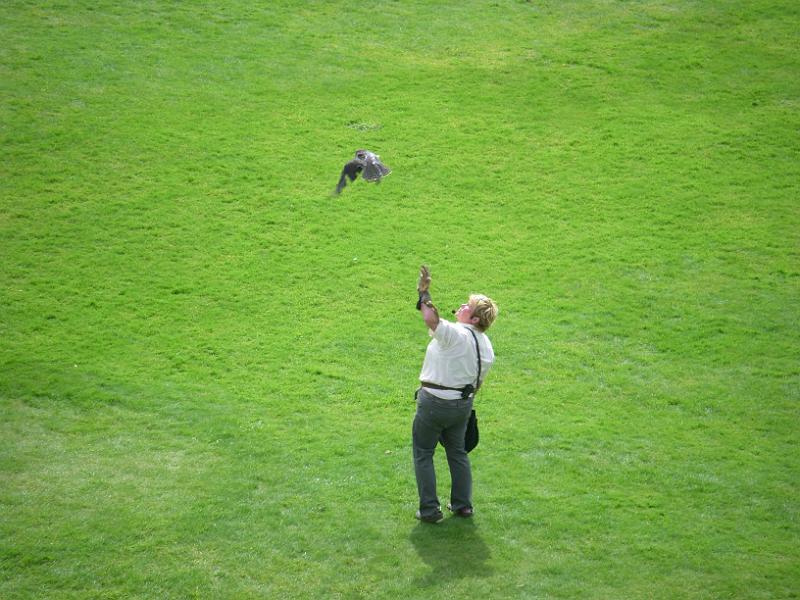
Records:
x=472, y=434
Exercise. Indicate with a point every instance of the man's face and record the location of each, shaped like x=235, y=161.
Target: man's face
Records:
x=464, y=314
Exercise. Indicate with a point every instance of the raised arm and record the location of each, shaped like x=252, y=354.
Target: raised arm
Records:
x=429, y=313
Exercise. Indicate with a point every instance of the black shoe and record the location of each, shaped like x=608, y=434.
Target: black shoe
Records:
x=436, y=517
x=465, y=512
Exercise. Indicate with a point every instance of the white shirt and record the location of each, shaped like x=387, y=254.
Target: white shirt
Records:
x=451, y=359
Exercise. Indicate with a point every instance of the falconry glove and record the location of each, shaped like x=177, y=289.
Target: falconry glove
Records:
x=423, y=285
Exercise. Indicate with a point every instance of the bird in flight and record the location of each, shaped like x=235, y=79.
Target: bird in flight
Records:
x=365, y=162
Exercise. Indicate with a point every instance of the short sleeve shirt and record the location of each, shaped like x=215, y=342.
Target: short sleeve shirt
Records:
x=451, y=359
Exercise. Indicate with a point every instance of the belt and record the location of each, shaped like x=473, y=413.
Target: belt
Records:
x=436, y=386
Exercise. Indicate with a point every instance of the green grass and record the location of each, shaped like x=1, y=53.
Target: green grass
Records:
x=207, y=362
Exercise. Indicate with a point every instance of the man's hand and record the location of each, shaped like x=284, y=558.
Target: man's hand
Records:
x=424, y=281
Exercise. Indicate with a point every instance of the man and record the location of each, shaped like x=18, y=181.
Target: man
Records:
x=448, y=382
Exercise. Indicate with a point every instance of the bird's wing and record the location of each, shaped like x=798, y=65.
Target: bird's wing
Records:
x=374, y=169
x=351, y=169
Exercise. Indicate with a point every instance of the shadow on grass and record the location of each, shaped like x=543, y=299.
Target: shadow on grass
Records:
x=453, y=550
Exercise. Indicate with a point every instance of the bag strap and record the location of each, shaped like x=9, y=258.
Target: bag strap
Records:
x=478, y=350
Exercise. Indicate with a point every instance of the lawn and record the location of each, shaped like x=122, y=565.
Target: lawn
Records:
x=207, y=360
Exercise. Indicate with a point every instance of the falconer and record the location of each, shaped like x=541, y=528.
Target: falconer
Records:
x=451, y=374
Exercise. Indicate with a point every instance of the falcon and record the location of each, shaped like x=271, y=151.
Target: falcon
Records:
x=365, y=162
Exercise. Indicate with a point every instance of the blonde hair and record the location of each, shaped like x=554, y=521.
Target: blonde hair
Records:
x=485, y=309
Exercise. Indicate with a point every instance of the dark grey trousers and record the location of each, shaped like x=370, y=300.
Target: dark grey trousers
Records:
x=447, y=419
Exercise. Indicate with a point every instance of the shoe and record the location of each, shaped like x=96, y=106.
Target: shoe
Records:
x=465, y=512
x=436, y=517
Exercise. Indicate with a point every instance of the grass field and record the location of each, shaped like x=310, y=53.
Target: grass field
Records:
x=207, y=361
